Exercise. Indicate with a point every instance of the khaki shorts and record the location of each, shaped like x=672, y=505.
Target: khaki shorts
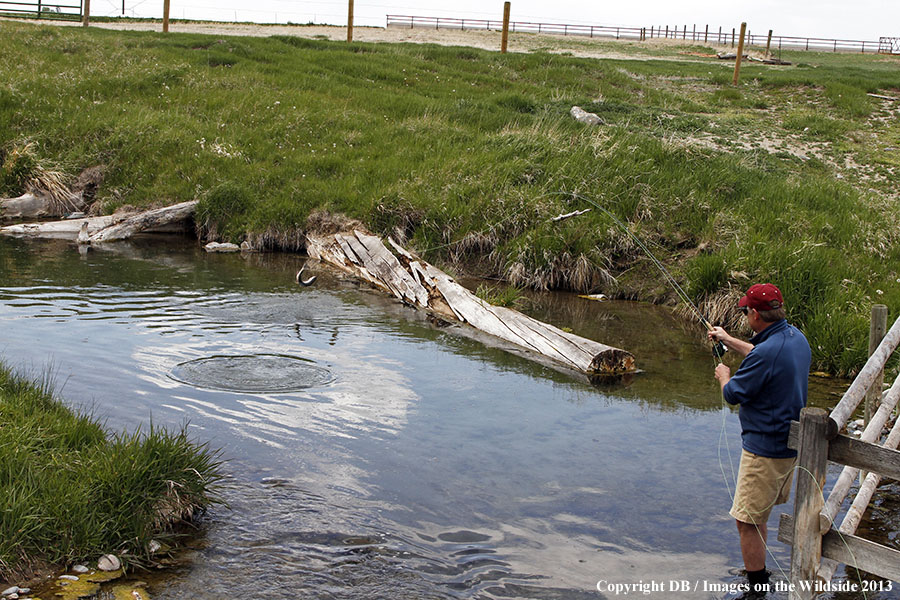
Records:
x=761, y=484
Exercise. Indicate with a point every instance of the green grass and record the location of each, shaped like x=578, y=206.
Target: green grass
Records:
x=508, y=296
x=466, y=154
x=71, y=492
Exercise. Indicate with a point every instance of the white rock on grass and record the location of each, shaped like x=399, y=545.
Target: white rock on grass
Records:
x=10, y=591
x=109, y=562
x=80, y=569
x=583, y=116
x=69, y=577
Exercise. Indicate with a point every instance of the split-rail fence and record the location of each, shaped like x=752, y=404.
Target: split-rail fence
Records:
x=817, y=548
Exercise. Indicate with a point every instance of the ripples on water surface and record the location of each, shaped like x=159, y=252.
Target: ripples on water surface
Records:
x=429, y=466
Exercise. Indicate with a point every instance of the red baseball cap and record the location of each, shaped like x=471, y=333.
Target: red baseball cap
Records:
x=762, y=296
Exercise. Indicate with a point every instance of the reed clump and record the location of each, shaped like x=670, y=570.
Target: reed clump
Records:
x=73, y=492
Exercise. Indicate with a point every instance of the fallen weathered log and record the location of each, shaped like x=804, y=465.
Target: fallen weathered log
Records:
x=416, y=282
x=69, y=228
x=151, y=219
x=112, y=227
x=729, y=56
x=48, y=194
x=28, y=206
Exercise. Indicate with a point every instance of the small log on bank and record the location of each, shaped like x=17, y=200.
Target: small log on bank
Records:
x=112, y=227
x=29, y=206
x=69, y=228
x=151, y=219
x=418, y=283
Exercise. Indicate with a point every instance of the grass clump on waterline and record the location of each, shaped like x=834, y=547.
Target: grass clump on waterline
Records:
x=71, y=492
x=465, y=155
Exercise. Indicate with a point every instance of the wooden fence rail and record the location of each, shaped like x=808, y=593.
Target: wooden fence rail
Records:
x=676, y=32
x=42, y=10
x=816, y=547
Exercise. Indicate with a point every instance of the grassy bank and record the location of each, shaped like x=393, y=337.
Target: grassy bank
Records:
x=466, y=154
x=71, y=492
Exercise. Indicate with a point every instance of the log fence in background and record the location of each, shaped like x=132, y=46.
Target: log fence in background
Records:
x=883, y=45
x=58, y=11
x=816, y=547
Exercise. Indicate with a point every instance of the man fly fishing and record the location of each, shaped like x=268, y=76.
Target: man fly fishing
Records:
x=771, y=387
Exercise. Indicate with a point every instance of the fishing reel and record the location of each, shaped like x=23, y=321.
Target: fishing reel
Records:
x=719, y=349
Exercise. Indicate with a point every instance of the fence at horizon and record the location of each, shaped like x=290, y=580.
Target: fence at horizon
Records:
x=885, y=45
x=72, y=9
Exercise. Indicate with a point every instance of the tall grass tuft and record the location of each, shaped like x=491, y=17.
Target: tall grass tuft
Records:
x=508, y=296
x=71, y=492
x=221, y=213
x=707, y=274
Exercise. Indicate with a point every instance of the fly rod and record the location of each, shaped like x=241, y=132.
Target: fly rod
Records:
x=719, y=348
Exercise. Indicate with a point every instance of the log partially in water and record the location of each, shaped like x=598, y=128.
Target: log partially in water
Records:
x=112, y=227
x=416, y=282
x=62, y=229
x=147, y=220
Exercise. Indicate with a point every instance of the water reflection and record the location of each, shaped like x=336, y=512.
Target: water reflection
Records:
x=433, y=466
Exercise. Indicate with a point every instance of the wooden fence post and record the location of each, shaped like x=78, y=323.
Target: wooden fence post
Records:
x=806, y=547
x=86, y=17
x=706, y=33
x=166, y=16
x=769, y=42
x=505, y=37
x=740, y=51
x=350, y=21
x=877, y=331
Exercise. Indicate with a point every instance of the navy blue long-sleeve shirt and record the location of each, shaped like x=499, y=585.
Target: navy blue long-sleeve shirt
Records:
x=771, y=386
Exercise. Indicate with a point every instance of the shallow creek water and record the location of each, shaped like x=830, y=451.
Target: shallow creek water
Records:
x=423, y=463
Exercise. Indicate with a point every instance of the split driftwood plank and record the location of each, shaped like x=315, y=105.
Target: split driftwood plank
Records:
x=415, y=281
x=375, y=264
x=392, y=271
x=577, y=353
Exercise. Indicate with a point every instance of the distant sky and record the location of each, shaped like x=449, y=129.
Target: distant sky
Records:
x=842, y=19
